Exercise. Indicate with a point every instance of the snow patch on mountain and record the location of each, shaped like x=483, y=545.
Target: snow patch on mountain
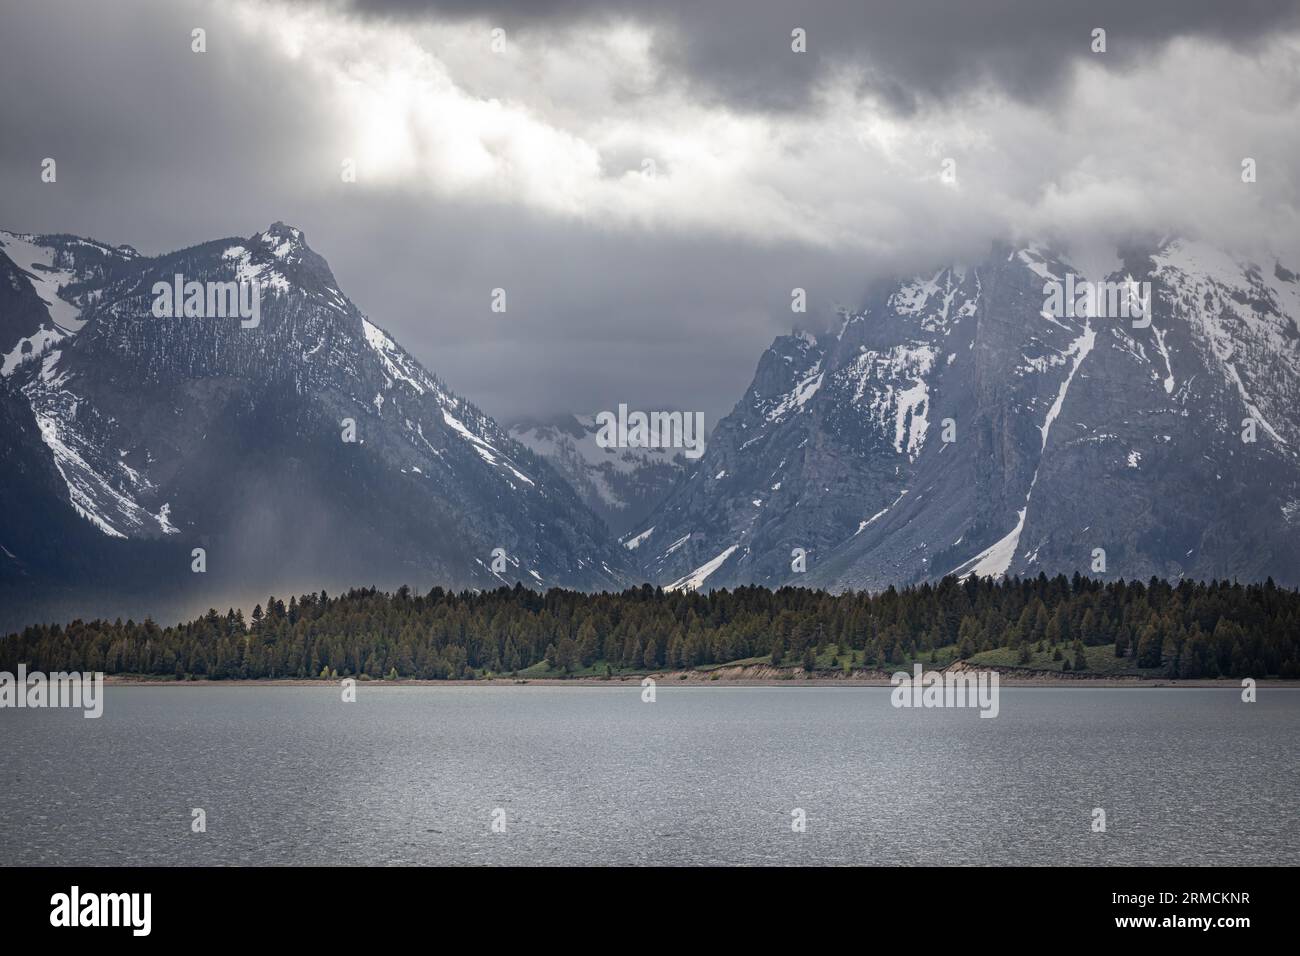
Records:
x=694, y=580
x=263, y=273
x=33, y=344
x=896, y=392
x=398, y=367
x=88, y=491
x=1241, y=316
x=37, y=262
x=863, y=525
x=633, y=543
x=798, y=397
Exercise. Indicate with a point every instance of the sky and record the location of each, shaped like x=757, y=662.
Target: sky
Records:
x=646, y=181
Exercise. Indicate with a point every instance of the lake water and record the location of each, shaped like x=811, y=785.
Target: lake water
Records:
x=592, y=775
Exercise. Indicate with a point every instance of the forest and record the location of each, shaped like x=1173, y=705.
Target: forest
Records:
x=1187, y=630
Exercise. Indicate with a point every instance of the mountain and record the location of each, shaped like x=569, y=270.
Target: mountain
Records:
x=621, y=485
x=1076, y=439
x=954, y=424
x=171, y=434
x=45, y=282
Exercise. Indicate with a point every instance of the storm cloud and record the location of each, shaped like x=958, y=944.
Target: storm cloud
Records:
x=647, y=187
x=911, y=50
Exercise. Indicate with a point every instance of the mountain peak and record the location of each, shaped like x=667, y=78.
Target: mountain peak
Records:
x=284, y=248
x=282, y=240
x=341, y=457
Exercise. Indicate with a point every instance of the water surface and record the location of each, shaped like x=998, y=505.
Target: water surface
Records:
x=592, y=775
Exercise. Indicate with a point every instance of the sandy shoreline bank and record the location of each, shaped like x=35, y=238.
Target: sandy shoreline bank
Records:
x=674, y=679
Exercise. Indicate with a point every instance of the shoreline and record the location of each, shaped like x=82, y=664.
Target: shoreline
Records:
x=675, y=679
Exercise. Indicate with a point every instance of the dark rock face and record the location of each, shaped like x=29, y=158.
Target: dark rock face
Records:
x=1067, y=434
x=202, y=432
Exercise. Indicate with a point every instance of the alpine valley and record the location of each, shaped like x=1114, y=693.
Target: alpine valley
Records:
x=622, y=485
x=949, y=426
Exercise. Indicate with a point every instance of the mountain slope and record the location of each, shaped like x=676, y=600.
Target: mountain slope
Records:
x=1151, y=436
x=231, y=438
x=1068, y=433
x=44, y=283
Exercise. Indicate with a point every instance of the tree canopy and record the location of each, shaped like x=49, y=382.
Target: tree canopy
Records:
x=1186, y=630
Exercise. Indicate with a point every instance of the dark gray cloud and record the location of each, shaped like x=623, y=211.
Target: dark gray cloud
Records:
x=594, y=317
x=163, y=148
x=907, y=50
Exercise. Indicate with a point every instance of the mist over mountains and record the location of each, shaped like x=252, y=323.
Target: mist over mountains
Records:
x=621, y=485
x=950, y=425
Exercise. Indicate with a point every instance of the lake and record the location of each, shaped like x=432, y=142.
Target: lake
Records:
x=592, y=775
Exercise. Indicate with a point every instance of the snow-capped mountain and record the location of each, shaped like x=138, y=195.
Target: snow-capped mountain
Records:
x=1075, y=442
x=952, y=425
x=45, y=282
x=305, y=448
x=622, y=485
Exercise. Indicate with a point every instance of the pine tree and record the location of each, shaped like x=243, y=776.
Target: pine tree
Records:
x=1149, y=645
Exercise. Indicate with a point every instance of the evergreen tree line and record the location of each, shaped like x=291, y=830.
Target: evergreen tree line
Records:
x=1186, y=630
